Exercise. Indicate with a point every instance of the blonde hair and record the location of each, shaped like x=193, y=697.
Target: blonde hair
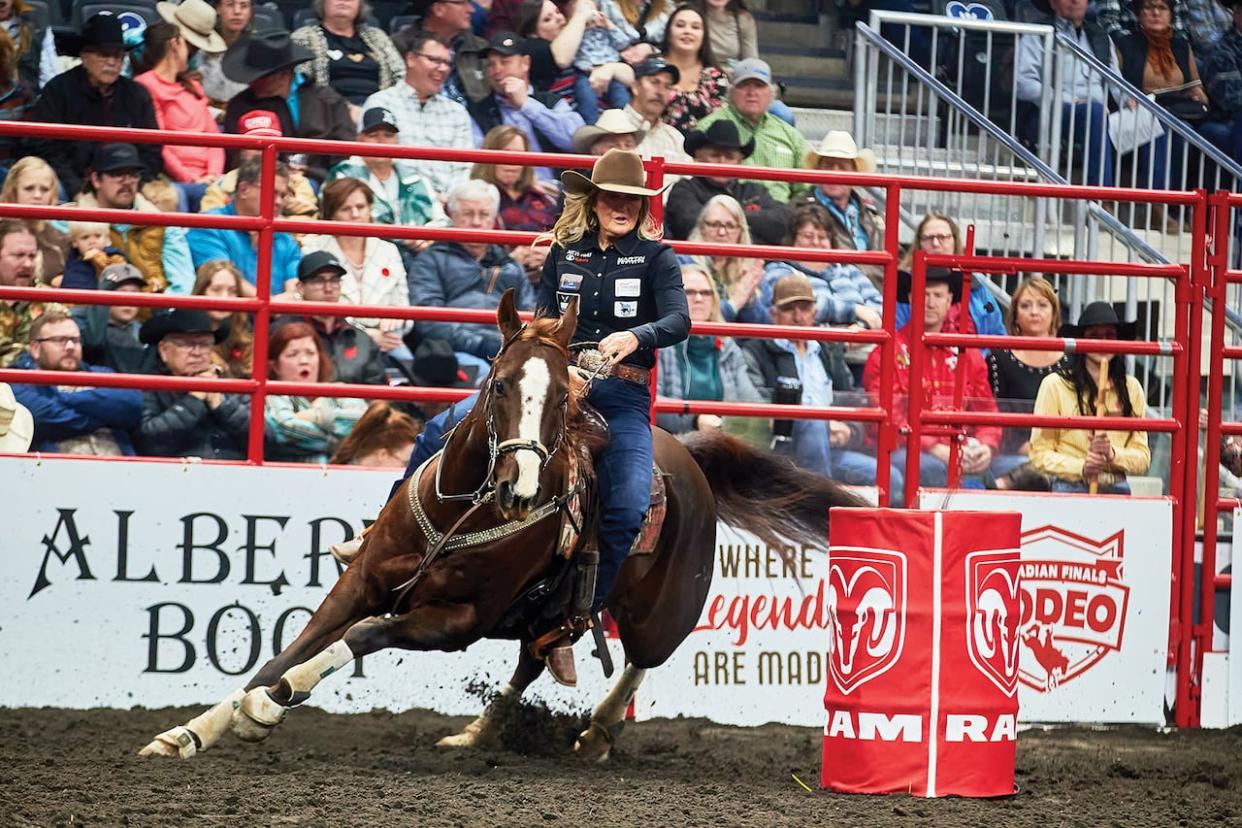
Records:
x=578, y=218
x=727, y=274
x=497, y=138
x=26, y=166
x=694, y=267
x=1044, y=288
x=81, y=228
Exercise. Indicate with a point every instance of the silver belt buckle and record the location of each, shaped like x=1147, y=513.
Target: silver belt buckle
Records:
x=594, y=362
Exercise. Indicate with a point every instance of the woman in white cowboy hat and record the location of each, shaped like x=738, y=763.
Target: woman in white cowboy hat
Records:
x=857, y=223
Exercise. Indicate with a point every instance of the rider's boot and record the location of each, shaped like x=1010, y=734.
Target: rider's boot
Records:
x=556, y=647
x=346, y=551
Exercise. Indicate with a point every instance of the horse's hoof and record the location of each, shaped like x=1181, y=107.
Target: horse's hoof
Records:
x=257, y=714
x=175, y=743
x=594, y=744
x=471, y=737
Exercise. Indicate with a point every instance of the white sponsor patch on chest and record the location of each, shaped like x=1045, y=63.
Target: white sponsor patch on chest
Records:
x=629, y=287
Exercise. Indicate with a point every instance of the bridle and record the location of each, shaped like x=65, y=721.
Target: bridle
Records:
x=496, y=449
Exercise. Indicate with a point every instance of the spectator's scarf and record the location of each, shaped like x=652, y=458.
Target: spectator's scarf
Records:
x=1160, y=53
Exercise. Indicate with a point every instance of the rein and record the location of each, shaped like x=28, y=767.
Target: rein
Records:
x=484, y=494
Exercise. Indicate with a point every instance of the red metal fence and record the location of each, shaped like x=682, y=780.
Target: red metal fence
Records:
x=1193, y=280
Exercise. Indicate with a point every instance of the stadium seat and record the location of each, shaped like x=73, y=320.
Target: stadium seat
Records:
x=400, y=21
x=268, y=17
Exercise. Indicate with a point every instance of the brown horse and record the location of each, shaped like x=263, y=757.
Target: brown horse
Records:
x=514, y=452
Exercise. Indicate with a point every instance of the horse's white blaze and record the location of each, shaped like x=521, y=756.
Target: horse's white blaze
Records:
x=534, y=390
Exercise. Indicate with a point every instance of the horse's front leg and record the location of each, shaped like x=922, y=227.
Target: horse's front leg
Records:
x=482, y=732
x=341, y=609
x=595, y=743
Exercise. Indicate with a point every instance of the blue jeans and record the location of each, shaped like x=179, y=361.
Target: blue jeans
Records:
x=617, y=97
x=854, y=468
x=623, y=469
x=1165, y=175
x=1227, y=137
x=1098, y=150
x=1065, y=486
x=933, y=473
x=189, y=196
x=1003, y=464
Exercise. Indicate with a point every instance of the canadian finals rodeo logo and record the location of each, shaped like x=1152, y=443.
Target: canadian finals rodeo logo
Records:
x=866, y=612
x=1074, y=604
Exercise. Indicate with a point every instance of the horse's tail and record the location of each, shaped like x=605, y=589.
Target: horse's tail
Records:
x=765, y=493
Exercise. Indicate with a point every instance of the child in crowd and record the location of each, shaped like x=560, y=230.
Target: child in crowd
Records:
x=598, y=63
x=90, y=251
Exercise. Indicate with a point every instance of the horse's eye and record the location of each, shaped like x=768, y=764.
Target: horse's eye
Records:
x=500, y=388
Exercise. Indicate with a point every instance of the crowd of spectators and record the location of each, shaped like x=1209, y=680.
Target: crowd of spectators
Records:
x=684, y=81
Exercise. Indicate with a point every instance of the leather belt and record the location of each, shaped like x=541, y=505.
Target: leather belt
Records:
x=629, y=373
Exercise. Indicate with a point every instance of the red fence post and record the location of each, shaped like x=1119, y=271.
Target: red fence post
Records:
x=886, y=437
x=914, y=395
x=262, y=317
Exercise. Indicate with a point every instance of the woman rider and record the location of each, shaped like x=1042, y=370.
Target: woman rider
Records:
x=606, y=251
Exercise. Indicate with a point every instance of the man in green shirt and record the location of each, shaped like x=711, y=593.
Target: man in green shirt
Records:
x=777, y=144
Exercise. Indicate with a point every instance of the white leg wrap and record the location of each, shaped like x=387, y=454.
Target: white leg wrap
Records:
x=255, y=717
x=612, y=709
x=304, y=677
x=208, y=726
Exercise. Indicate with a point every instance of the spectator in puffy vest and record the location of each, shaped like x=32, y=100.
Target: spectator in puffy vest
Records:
x=350, y=55
x=71, y=419
x=460, y=275
x=161, y=253
x=203, y=424
x=94, y=94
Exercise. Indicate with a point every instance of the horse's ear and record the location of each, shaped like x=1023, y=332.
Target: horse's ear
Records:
x=507, y=316
x=569, y=323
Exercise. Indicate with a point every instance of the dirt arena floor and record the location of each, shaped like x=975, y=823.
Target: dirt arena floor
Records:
x=66, y=767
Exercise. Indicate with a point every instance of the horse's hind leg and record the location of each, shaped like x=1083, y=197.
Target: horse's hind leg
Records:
x=595, y=743
x=482, y=732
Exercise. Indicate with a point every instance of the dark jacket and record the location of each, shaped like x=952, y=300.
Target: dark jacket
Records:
x=1222, y=76
x=355, y=356
x=115, y=346
x=486, y=113
x=445, y=275
x=634, y=285
x=322, y=113
x=60, y=415
x=768, y=361
x=69, y=98
x=1132, y=55
x=767, y=217
x=175, y=424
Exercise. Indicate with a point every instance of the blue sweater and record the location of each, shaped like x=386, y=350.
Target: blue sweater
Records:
x=234, y=246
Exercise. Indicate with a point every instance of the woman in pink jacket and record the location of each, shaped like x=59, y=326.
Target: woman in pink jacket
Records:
x=180, y=103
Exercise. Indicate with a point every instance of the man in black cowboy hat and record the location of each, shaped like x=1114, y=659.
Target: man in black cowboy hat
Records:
x=95, y=94
x=721, y=144
x=203, y=424
x=1222, y=79
x=265, y=61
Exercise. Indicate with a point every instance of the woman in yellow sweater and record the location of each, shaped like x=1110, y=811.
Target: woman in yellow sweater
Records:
x=1075, y=457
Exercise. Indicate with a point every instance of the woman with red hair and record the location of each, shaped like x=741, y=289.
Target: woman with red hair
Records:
x=303, y=429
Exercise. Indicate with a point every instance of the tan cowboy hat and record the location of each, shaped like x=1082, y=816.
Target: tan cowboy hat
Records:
x=611, y=122
x=840, y=144
x=616, y=171
x=16, y=424
x=197, y=22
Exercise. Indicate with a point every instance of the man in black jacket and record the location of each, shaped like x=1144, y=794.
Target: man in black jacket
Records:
x=195, y=423
x=93, y=94
x=265, y=62
x=721, y=144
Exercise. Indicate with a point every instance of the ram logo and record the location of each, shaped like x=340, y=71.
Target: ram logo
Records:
x=993, y=612
x=866, y=613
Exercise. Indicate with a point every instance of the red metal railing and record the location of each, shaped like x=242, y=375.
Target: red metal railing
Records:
x=1184, y=349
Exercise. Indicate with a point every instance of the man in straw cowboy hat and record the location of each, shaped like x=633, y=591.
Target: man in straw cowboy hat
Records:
x=777, y=144
x=606, y=254
x=613, y=130
x=94, y=94
x=857, y=223
x=721, y=143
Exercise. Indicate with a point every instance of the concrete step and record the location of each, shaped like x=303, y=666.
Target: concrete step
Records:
x=805, y=61
x=784, y=32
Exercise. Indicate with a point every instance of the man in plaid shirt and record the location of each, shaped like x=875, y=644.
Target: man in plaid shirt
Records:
x=425, y=115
